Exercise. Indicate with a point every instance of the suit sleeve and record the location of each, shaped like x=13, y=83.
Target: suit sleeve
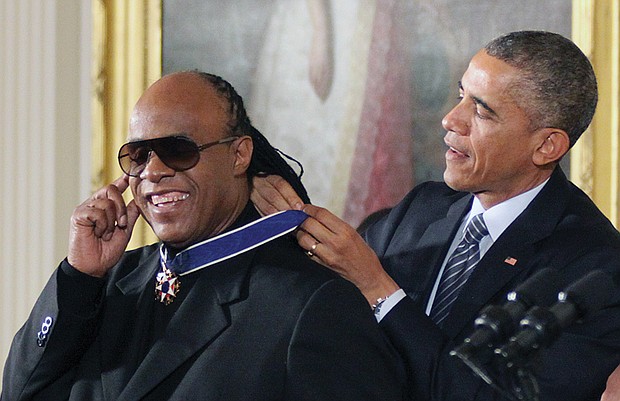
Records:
x=337, y=351
x=61, y=326
x=432, y=374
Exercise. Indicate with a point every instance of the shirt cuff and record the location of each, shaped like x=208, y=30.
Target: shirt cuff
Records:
x=389, y=303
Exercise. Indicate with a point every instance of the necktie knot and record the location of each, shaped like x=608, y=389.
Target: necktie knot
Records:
x=475, y=230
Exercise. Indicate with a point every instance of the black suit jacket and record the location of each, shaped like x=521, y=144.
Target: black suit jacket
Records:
x=266, y=325
x=561, y=229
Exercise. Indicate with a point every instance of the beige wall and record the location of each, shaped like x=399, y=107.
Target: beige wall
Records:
x=44, y=144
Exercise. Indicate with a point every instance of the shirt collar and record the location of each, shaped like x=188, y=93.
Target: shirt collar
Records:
x=500, y=216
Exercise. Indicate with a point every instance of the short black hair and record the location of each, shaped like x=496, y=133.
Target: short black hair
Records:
x=558, y=86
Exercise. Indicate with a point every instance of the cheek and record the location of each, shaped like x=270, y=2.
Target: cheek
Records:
x=141, y=202
x=490, y=147
x=502, y=154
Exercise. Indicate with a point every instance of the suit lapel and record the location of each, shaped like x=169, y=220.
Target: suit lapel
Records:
x=491, y=277
x=494, y=277
x=200, y=319
x=129, y=296
x=435, y=242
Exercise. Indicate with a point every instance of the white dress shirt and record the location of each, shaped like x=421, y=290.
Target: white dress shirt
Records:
x=496, y=218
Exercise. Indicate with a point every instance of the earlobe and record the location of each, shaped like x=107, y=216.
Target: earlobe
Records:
x=553, y=146
x=244, y=148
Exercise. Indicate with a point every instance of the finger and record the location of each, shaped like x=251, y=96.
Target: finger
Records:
x=102, y=212
x=316, y=230
x=316, y=250
x=308, y=243
x=334, y=234
x=94, y=217
x=306, y=240
x=286, y=192
x=133, y=213
x=327, y=219
x=114, y=192
x=266, y=196
x=259, y=199
x=122, y=183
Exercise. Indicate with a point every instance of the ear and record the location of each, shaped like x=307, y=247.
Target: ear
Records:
x=243, y=148
x=552, y=146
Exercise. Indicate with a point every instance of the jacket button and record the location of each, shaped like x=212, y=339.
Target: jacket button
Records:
x=45, y=329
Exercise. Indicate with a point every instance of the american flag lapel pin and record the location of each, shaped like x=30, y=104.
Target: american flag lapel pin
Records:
x=510, y=260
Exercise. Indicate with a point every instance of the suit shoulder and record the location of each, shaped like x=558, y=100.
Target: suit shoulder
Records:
x=431, y=191
x=585, y=221
x=285, y=258
x=423, y=205
x=426, y=201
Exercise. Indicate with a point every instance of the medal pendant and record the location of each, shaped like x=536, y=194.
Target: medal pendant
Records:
x=167, y=286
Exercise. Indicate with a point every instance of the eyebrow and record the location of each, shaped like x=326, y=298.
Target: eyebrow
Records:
x=479, y=101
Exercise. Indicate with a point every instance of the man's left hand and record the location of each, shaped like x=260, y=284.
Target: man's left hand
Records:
x=335, y=244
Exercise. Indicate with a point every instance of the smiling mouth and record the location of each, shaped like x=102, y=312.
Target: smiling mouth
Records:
x=458, y=152
x=168, y=199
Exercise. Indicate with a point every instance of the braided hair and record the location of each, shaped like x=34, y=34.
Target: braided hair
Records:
x=266, y=160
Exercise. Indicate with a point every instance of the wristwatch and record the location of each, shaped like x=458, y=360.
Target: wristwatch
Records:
x=376, y=307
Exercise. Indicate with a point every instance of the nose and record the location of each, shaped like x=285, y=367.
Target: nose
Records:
x=155, y=169
x=455, y=120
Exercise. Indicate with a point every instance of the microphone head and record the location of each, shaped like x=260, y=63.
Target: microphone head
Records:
x=541, y=326
x=497, y=322
x=590, y=293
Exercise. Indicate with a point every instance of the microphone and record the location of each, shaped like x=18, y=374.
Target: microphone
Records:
x=540, y=327
x=496, y=323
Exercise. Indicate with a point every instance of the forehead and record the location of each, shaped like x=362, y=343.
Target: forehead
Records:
x=181, y=103
x=490, y=79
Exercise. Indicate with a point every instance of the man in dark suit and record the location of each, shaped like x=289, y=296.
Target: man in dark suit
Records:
x=224, y=308
x=505, y=211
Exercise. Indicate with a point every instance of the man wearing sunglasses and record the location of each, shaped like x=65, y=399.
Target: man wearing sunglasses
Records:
x=225, y=307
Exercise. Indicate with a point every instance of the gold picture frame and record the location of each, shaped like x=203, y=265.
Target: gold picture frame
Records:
x=127, y=44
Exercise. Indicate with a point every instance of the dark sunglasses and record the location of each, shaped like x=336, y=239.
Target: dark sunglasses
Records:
x=177, y=152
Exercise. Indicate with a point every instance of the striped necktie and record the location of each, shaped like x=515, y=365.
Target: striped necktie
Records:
x=458, y=268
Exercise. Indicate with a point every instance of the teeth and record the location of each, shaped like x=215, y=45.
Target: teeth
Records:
x=161, y=199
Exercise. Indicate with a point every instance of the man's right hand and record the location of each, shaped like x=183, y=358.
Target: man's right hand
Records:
x=101, y=228
x=272, y=193
x=328, y=239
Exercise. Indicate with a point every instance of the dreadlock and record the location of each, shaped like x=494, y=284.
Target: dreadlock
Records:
x=266, y=160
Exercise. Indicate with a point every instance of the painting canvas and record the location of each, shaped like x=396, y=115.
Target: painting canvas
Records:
x=353, y=89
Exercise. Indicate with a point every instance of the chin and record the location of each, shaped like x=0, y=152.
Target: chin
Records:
x=457, y=181
x=458, y=185
x=179, y=245
x=172, y=237
x=451, y=181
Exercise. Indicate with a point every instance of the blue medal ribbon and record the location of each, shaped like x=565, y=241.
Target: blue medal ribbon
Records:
x=222, y=247
x=236, y=242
